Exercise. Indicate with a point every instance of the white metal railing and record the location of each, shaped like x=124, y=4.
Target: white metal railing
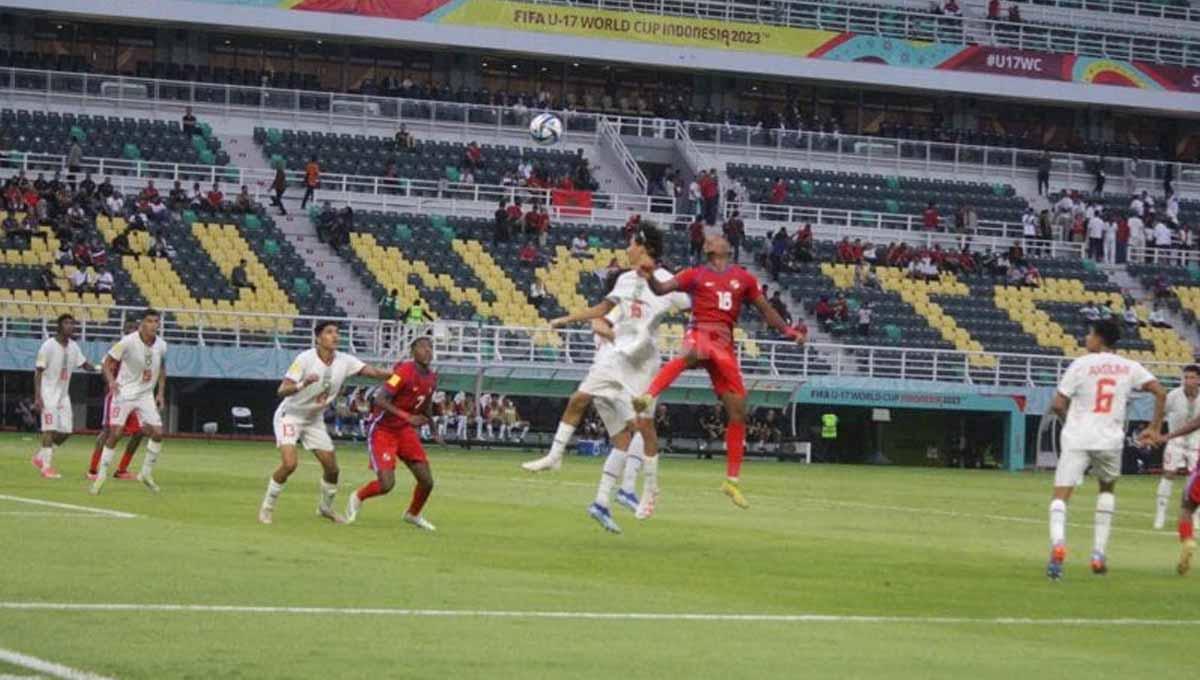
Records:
x=611, y=137
x=904, y=23
x=480, y=346
x=968, y=161
x=1124, y=8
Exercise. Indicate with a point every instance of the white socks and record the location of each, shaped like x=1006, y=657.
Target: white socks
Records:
x=46, y=455
x=1106, y=505
x=649, y=477
x=562, y=437
x=328, y=491
x=613, y=466
x=1058, y=521
x=633, y=463
x=106, y=457
x=274, y=488
x=1162, y=502
x=153, y=448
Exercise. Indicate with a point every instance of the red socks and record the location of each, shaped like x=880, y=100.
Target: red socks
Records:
x=1186, y=530
x=96, y=453
x=126, y=459
x=420, y=495
x=667, y=375
x=367, y=490
x=735, y=448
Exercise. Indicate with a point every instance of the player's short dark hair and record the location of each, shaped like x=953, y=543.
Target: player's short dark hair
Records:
x=61, y=318
x=650, y=237
x=322, y=325
x=1192, y=368
x=150, y=311
x=427, y=338
x=1108, y=331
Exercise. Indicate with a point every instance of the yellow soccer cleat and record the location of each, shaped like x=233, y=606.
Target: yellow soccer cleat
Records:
x=735, y=494
x=1185, y=556
x=642, y=404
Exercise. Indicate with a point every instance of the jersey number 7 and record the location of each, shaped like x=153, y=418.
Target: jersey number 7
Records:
x=1104, y=395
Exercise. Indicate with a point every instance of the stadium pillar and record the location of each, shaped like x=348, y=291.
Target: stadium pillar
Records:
x=1014, y=443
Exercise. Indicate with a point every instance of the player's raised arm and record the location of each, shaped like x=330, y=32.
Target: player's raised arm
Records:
x=1060, y=405
x=374, y=373
x=775, y=321
x=596, y=311
x=603, y=328
x=1160, y=403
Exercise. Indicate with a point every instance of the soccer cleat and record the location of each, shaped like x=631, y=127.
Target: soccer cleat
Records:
x=125, y=475
x=735, y=494
x=97, y=485
x=265, y=515
x=604, y=517
x=646, y=509
x=546, y=462
x=49, y=472
x=352, y=507
x=642, y=403
x=148, y=481
x=419, y=522
x=1054, y=569
x=36, y=461
x=1186, y=551
x=1099, y=563
x=91, y=476
x=330, y=515
x=628, y=499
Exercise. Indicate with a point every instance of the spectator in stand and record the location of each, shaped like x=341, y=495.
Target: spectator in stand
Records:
x=104, y=189
x=404, y=140
x=47, y=279
x=120, y=243
x=64, y=256
x=79, y=281
x=215, y=199
x=160, y=247
x=312, y=179
x=845, y=251
x=1044, y=163
x=190, y=128
x=778, y=254
x=1162, y=235
x=710, y=192
x=278, y=186
x=529, y=255
x=1090, y=311
x=1130, y=317
x=1014, y=14
x=778, y=192
x=243, y=203
x=1029, y=228
x=579, y=247
x=148, y=193
x=500, y=222
x=537, y=294
x=930, y=219
x=1158, y=317
x=695, y=199
x=1032, y=278
x=158, y=211
x=386, y=310
x=13, y=232
x=177, y=200
x=696, y=238
x=1097, y=173
x=473, y=157
x=1122, y=240
x=824, y=313
x=864, y=320
x=1110, y=239
x=97, y=254
x=515, y=214
x=104, y=280
x=951, y=8
x=196, y=198
x=781, y=307
x=75, y=157
x=735, y=232
x=1095, y=235
x=239, y=278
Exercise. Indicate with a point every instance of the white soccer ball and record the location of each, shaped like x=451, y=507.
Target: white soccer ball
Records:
x=546, y=128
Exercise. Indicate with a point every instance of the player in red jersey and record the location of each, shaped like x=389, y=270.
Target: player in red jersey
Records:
x=133, y=430
x=1189, y=504
x=718, y=288
x=402, y=405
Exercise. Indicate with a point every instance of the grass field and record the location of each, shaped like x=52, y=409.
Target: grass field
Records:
x=846, y=572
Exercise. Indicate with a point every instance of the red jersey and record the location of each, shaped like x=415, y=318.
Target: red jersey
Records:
x=717, y=297
x=410, y=390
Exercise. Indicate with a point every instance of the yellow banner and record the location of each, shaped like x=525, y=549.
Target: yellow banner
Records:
x=633, y=26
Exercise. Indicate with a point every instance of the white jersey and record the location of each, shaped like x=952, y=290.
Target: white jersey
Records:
x=1181, y=410
x=1098, y=386
x=636, y=317
x=56, y=363
x=141, y=365
x=310, y=401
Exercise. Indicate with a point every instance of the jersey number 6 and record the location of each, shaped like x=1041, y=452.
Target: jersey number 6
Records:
x=1104, y=395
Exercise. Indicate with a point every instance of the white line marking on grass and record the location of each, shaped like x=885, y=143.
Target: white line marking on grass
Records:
x=67, y=506
x=34, y=513
x=48, y=667
x=585, y=616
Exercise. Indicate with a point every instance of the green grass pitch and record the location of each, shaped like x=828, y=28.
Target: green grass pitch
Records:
x=940, y=554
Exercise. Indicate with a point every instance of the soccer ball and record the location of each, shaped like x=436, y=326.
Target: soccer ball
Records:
x=545, y=128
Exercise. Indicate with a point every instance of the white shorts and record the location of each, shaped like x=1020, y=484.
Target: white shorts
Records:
x=1072, y=463
x=119, y=409
x=58, y=418
x=613, y=386
x=1179, y=455
x=311, y=432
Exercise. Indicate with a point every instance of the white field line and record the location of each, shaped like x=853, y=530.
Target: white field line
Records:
x=585, y=616
x=34, y=513
x=67, y=506
x=46, y=667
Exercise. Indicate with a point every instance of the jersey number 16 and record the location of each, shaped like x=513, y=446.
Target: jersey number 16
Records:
x=724, y=300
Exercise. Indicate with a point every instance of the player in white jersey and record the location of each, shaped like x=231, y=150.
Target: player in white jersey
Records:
x=311, y=382
x=136, y=372
x=56, y=358
x=624, y=365
x=1091, y=399
x=1179, y=455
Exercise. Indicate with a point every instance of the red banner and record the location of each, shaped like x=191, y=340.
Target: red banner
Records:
x=1003, y=62
x=571, y=202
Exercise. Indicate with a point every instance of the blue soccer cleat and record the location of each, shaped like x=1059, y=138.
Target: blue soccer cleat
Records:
x=604, y=517
x=628, y=499
x=1054, y=569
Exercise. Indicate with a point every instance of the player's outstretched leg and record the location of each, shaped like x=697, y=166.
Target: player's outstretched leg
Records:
x=635, y=458
x=96, y=453
x=665, y=377
x=576, y=407
x=131, y=448
x=43, y=459
x=383, y=483
x=1106, y=507
x=112, y=434
x=329, y=486
x=153, y=449
x=275, y=484
x=1058, y=538
x=1162, y=499
x=649, y=438
x=1187, y=524
x=735, y=447
x=614, y=466
x=424, y=476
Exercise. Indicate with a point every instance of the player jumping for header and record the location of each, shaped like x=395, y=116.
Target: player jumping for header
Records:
x=717, y=289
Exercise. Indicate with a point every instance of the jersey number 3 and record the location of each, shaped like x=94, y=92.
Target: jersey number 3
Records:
x=1104, y=395
x=724, y=300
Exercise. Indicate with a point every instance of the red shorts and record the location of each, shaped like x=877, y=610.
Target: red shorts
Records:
x=717, y=357
x=385, y=446
x=133, y=425
x=1193, y=487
